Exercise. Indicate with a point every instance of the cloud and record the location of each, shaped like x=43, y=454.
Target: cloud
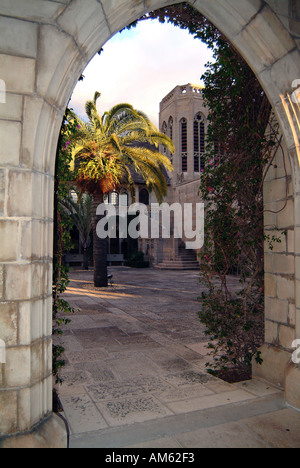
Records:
x=141, y=67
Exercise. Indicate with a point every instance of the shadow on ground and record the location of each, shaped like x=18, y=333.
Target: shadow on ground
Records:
x=135, y=368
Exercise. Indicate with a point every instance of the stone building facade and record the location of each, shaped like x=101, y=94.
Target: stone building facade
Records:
x=45, y=46
x=183, y=118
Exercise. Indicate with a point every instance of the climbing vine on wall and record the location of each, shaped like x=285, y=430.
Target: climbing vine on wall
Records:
x=62, y=239
x=243, y=139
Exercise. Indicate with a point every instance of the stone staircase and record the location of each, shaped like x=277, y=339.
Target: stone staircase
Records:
x=186, y=260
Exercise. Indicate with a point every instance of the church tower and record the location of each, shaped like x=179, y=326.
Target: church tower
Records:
x=183, y=118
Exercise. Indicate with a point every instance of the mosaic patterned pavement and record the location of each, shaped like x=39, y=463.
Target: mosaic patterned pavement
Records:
x=135, y=355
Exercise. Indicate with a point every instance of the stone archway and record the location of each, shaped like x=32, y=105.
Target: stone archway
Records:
x=39, y=67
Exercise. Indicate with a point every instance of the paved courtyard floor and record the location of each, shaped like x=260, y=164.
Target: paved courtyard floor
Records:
x=135, y=371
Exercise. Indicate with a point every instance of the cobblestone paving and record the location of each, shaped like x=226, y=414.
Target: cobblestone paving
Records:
x=135, y=351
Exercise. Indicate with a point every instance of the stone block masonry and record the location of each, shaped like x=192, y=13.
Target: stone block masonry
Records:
x=44, y=47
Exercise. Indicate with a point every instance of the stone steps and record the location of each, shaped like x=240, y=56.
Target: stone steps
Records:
x=224, y=414
x=171, y=266
x=186, y=260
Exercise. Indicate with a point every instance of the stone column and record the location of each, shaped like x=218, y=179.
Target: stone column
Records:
x=26, y=228
x=29, y=129
x=279, y=270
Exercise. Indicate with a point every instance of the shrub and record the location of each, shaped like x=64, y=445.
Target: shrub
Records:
x=136, y=260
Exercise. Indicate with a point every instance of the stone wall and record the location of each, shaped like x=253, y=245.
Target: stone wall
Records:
x=280, y=304
x=45, y=46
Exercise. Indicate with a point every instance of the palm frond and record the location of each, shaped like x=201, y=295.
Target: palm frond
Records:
x=80, y=212
x=111, y=146
x=117, y=114
x=96, y=97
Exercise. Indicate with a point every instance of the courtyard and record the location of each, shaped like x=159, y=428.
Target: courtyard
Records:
x=135, y=371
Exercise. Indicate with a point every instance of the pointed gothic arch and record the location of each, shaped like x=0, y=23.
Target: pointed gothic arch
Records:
x=61, y=38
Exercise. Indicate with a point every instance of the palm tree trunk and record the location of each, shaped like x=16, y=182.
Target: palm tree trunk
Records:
x=85, y=258
x=100, y=247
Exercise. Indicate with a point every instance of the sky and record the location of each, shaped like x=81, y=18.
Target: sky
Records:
x=141, y=66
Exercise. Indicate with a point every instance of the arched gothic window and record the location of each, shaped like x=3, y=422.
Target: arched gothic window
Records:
x=199, y=142
x=144, y=197
x=183, y=142
x=171, y=127
x=123, y=199
x=165, y=131
x=114, y=199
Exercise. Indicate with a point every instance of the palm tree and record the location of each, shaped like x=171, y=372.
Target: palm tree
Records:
x=80, y=212
x=108, y=148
